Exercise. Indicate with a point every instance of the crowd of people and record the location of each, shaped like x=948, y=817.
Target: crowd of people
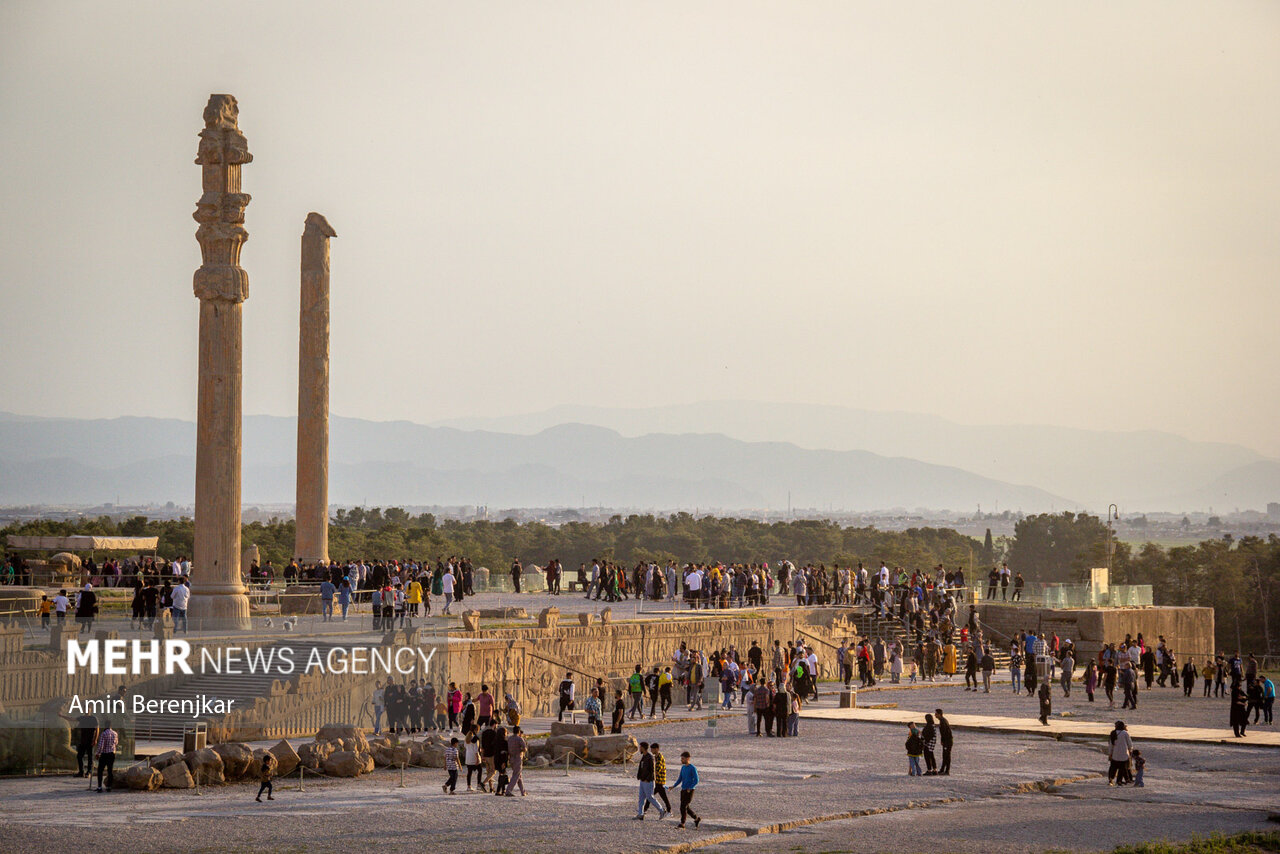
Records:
x=1133, y=663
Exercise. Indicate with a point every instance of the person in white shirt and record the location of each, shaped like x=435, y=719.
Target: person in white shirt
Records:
x=446, y=585
x=60, y=605
x=694, y=585
x=180, y=597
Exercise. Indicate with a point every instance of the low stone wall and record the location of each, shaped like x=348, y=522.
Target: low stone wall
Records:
x=1188, y=631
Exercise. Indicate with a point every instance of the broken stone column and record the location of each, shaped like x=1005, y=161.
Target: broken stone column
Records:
x=311, y=543
x=218, y=599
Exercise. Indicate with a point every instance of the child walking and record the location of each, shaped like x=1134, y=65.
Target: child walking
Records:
x=264, y=776
x=451, y=765
x=1139, y=764
x=473, y=760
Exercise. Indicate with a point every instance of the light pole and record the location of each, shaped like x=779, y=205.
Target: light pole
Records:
x=1113, y=515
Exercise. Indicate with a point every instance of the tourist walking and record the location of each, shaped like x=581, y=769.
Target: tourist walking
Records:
x=264, y=779
x=451, y=766
x=645, y=776
x=108, y=740
x=516, y=748
x=687, y=782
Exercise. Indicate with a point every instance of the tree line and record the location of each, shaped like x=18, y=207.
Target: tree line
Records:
x=1239, y=578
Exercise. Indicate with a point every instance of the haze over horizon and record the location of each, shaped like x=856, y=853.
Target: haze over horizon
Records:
x=999, y=216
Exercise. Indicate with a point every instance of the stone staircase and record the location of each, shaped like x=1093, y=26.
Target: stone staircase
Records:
x=243, y=688
x=869, y=625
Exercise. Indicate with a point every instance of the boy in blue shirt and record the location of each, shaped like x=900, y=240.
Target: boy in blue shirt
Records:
x=687, y=781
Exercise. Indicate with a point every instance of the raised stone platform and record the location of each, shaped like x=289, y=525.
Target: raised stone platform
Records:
x=1056, y=727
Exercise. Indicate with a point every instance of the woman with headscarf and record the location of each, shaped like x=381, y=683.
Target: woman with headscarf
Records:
x=1239, y=709
x=929, y=735
x=1090, y=679
x=1121, y=749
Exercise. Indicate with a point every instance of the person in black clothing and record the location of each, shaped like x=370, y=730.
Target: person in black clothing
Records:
x=501, y=756
x=929, y=736
x=150, y=603
x=86, y=737
x=1239, y=710
x=944, y=735
x=644, y=774
x=755, y=655
x=651, y=685
x=781, y=709
x=392, y=700
x=566, y=695
x=1046, y=703
x=619, y=711
x=136, y=604
x=1253, y=695
x=87, y=609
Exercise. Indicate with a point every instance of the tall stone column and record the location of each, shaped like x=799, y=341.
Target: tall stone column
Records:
x=312, y=516
x=218, y=599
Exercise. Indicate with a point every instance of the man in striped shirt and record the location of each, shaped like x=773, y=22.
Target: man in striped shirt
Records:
x=106, y=750
x=659, y=776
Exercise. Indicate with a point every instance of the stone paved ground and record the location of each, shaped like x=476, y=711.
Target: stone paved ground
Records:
x=993, y=803
x=1157, y=707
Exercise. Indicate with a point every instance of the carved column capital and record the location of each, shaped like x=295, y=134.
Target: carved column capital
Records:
x=220, y=211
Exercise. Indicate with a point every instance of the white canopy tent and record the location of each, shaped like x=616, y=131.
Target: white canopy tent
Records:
x=83, y=543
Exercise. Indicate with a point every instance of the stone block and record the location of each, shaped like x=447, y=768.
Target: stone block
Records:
x=549, y=618
x=164, y=760
x=586, y=619
x=313, y=754
x=141, y=777
x=177, y=776
x=349, y=737
x=348, y=763
x=237, y=759
x=286, y=758
x=471, y=621
x=205, y=766
x=612, y=747
x=559, y=745
x=561, y=728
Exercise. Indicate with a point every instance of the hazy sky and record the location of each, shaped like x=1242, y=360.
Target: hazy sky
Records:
x=1062, y=213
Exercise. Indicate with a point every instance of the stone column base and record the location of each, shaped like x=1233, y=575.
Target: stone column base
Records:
x=218, y=612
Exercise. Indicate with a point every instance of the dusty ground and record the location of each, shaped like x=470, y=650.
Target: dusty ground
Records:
x=994, y=802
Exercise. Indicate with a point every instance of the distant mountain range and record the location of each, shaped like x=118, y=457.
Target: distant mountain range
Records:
x=148, y=459
x=685, y=463
x=1141, y=470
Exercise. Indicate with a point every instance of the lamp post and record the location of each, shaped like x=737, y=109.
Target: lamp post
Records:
x=1113, y=515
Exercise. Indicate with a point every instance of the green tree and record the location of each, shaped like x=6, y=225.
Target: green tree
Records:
x=1055, y=547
